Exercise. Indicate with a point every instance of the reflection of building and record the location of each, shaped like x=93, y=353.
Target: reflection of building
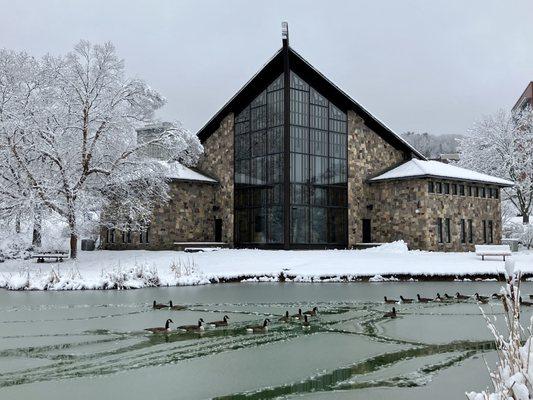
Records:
x=300, y=164
x=526, y=99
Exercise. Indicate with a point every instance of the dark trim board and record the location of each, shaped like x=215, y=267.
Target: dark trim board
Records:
x=299, y=65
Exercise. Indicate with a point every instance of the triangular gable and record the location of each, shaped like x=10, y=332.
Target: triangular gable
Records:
x=318, y=81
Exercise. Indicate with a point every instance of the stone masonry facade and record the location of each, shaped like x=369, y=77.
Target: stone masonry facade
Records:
x=187, y=217
x=407, y=210
x=368, y=155
x=217, y=162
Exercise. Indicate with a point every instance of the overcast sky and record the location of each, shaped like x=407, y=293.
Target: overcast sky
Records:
x=428, y=66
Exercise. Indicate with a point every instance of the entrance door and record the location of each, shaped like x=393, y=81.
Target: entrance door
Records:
x=367, y=231
x=218, y=230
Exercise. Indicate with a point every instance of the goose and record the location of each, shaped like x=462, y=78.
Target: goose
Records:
x=258, y=328
x=481, y=299
x=312, y=313
x=423, y=299
x=391, y=314
x=498, y=296
x=158, y=306
x=286, y=318
x=305, y=324
x=404, y=300
x=390, y=301
x=161, y=329
x=531, y=296
x=525, y=303
x=447, y=296
x=176, y=307
x=299, y=315
x=193, y=328
x=223, y=322
x=478, y=297
x=438, y=298
x=460, y=296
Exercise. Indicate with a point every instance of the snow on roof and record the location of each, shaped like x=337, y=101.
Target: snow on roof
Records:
x=177, y=171
x=421, y=168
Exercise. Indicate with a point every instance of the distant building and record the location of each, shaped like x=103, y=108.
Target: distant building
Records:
x=292, y=162
x=448, y=158
x=526, y=99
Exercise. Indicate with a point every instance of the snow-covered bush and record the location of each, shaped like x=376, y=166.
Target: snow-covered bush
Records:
x=522, y=232
x=129, y=278
x=513, y=376
x=28, y=278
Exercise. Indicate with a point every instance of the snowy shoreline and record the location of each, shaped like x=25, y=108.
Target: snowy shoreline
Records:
x=134, y=269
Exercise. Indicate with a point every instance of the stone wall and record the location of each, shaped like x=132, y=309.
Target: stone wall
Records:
x=406, y=210
x=368, y=155
x=187, y=217
x=217, y=161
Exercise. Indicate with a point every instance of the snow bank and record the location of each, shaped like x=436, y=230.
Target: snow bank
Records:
x=140, y=268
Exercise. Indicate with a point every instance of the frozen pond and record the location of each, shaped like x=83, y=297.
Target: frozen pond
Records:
x=91, y=344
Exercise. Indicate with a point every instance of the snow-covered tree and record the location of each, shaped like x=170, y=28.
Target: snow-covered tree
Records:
x=76, y=116
x=512, y=378
x=502, y=145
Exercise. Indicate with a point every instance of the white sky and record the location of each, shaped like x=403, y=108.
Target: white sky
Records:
x=433, y=66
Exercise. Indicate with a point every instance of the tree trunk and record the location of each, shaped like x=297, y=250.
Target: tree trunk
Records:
x=37, y=223
x=17, y=223
x=73, y=245
x=525, y=218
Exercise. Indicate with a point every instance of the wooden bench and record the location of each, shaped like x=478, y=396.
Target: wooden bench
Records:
x=58, y=255
x=500, y=250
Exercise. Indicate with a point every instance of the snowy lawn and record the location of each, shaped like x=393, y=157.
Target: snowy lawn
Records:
x=139, y=268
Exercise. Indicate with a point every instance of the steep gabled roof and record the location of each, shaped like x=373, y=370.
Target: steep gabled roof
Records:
x=435, y=169
x=318, y=81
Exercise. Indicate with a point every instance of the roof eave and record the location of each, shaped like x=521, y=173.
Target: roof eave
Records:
x=429, y=176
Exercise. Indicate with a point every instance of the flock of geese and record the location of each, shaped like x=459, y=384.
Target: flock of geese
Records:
x=302, y=317
x=447, y=298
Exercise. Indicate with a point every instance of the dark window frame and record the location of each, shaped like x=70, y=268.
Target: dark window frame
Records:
x=463, y=231
x=439, y=231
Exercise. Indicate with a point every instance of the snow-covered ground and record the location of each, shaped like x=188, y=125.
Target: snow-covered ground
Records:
x=138, y=268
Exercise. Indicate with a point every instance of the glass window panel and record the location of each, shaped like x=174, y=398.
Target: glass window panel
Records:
x=243, y=233
x=277, y=84
x=337, y=225
x=275, y=140
x=319, y=169
x=299, y=139
x=275, y=168
x=319, y=225
x=242, y=128
x=317, y=98
x=337, y=196
x=275, y=194
x=337, y=145
x=258, y=171
x=275, y=225
x=299, y=108
x=319, y=117
x=319, y=196
x=299, y=194
x=258, y=116
x=318, y=142
x=242, y=147
x=299, y=168
x=299, y=224
x=336, y=113
x=259, y=225
x=243, y=116
x=259, y=100
x=298, y=83
x=275, y=108
x=258, y=144
x=337, y=171
x=337, y=126
x=242, y=171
